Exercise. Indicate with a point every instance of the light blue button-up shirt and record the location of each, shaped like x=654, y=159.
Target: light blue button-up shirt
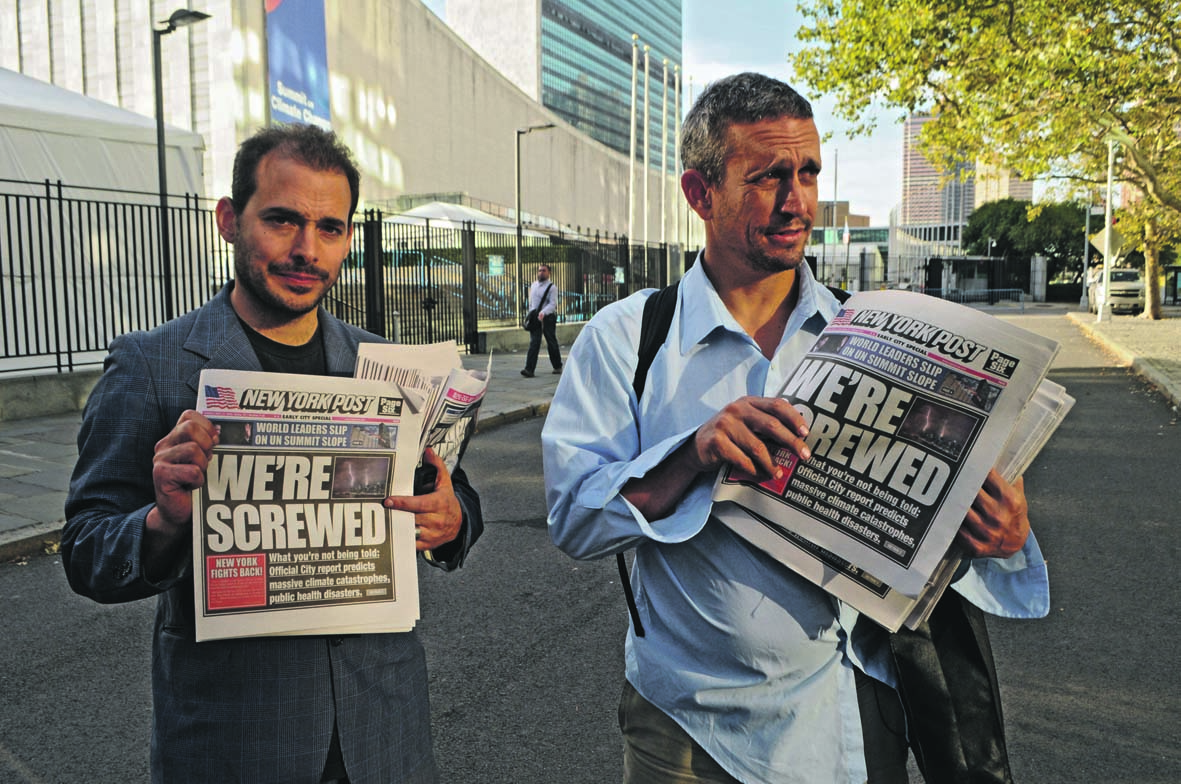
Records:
x=754, y=662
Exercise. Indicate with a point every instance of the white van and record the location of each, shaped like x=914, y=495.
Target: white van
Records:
x=1125, y=291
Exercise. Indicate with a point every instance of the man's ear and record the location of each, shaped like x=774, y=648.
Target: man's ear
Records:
x=227, y=219
x=697, y=193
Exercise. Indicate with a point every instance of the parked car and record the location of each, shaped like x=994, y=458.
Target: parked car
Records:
x=1125, y=291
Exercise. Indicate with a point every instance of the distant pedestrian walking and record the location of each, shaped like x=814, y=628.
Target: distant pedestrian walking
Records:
x=543, y=301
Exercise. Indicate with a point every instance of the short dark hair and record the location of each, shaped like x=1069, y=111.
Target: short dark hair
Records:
x=741, y=98
x=314, y=147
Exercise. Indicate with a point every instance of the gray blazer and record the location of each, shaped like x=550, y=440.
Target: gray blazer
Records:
x=251, y=710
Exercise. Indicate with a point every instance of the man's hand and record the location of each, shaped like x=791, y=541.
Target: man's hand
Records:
x=178, y=468
x=437, y=514
x=997, y=524
x=738, y=435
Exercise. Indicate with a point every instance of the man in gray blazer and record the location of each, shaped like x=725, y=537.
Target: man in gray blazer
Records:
x=292, y=709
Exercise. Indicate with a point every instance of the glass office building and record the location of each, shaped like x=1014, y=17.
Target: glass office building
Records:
x=586, y=67
x=575, y=58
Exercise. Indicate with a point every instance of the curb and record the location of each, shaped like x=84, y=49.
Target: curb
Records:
x=1147, y=369
x=509, y=417
x=45, y=538
x=35, y=539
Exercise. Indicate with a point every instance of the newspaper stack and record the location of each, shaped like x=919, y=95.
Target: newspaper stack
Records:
x=290, y=536
x=453, y=393
x=910, y=400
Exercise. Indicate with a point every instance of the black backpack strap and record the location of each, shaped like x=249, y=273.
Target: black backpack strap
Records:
x=840, y=294
x=654, y=327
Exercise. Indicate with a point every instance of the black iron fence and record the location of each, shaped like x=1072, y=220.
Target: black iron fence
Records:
x=80, y=266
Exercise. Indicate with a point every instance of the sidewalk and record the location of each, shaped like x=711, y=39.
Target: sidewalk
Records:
x=37, y=455
x=1150, y=348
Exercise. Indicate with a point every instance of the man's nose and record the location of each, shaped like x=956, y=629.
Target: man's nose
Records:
x=306, y=245
x=790, y=198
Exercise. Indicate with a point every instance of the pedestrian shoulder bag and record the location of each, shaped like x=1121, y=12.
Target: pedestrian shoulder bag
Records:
x=533, y=317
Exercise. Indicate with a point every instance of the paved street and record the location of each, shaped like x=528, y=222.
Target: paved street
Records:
x=1090, y=693
x=525, y=645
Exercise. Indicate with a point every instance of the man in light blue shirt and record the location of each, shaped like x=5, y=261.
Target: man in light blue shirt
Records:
x=746, y=671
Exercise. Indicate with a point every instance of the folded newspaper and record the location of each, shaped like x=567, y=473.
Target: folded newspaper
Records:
x=910, y=400
x=289, y=532
x=453, y=393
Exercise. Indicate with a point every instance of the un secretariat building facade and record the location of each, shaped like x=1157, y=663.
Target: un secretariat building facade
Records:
x=576, y=56
x=423, y=111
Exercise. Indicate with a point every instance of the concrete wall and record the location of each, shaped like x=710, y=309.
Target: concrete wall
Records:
x=423, y=112
x=426, y=114
x=34, y=396
x=516, y=339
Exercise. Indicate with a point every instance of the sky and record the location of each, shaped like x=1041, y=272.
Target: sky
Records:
x=722, y=38
x=757, y=35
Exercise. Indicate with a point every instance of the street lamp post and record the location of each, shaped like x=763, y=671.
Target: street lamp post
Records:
x=180, y=18
x=1104, y=306
x=517, y=165
x=1084, y=301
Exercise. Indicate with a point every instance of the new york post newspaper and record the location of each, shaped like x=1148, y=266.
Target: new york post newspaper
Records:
x=910, y=400
x=289, y=532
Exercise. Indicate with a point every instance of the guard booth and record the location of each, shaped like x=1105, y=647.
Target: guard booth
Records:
x=1170, y=292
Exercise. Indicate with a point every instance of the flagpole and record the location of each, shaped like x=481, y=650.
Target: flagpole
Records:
x=664, y=153
x=631, y=158
x=847, y=240
x=676, y=152
x=690, y=234
x=834, y=207
x=647, y=154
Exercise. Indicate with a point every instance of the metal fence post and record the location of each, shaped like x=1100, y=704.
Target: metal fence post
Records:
x=61, y=223
x=372, y=257
x=471, y=330
x=621, y=287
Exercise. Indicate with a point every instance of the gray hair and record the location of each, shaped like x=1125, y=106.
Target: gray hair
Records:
x=741, y=98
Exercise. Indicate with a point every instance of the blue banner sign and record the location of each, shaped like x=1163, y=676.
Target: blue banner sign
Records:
x=297, y=59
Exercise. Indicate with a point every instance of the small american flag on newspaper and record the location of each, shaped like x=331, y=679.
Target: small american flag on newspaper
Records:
x=842, y=319
x=220, y=397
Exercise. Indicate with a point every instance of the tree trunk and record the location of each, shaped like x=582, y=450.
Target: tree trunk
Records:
x=1152, y=283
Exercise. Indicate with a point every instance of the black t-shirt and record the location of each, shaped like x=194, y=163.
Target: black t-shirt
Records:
x=307, y=359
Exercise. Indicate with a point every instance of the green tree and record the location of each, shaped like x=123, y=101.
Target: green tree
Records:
x=998, y=229
x=1037, y=86
x=1020, y=230
x=1056, y=232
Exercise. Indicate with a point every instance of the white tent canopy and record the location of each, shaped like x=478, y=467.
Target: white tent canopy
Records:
x=49, y=133
x=444, y=215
